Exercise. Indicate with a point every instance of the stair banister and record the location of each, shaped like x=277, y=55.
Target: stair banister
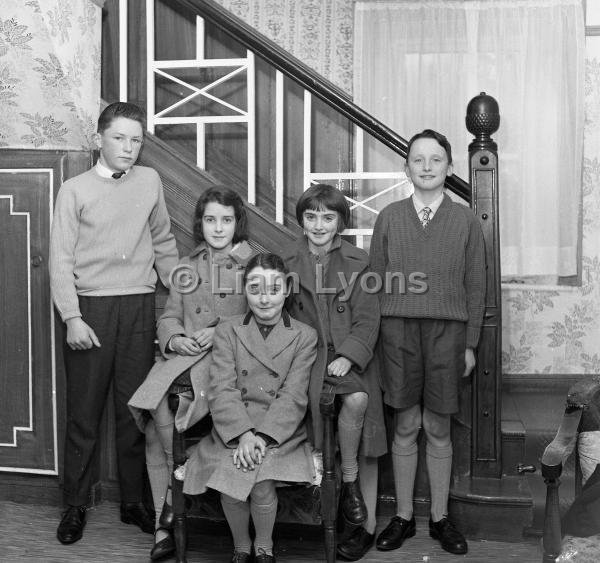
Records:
x=297, y=71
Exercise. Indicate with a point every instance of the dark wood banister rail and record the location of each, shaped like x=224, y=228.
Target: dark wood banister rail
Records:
x=296, y=70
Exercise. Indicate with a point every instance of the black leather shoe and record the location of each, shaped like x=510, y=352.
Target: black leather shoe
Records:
x=241, y=557
x=352, y=503
x=395, y=533
x=167, y=516
x=71, y=525
x=136, y=513
x=449, y=537
x=357, y=545
x=164, y=547
x=262, y=557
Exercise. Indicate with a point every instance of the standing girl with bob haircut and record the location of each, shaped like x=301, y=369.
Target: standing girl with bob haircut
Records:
x=331, y=297
x=258, y=397
x=205, y=290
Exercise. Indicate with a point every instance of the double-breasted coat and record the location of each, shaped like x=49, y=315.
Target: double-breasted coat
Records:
x=207, y=289
x=260, y=385
x=353, y=328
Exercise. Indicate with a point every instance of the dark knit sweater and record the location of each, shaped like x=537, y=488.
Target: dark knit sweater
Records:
x=448, y=256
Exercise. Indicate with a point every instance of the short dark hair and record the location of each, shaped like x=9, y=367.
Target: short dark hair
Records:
x=431, y=134
x=227, y=197
x=120, y=109
x=324, y=196
x=266, y=261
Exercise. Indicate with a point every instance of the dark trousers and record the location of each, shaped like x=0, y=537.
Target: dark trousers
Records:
x=125, y=327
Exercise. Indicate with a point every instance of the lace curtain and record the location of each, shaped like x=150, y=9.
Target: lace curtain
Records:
x=417, y=64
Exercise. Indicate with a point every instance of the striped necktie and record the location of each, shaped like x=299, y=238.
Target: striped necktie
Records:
x=426, y=214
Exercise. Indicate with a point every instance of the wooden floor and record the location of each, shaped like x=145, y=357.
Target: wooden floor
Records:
x=28, y=533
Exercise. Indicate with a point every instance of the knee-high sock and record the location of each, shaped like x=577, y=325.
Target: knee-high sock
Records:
x=263, y=507
x=237, y=513
x=165, y=423
x=439, y=469
x=350, y=427
x=368, y=468
x=158, y=470
x=404, y=462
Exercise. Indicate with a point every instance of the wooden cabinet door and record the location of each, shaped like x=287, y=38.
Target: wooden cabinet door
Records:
x=28, y=367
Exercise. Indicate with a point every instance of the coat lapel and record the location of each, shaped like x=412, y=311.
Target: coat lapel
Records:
x=266, y=351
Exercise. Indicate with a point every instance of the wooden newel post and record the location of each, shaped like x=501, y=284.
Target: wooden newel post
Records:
x=482, y=120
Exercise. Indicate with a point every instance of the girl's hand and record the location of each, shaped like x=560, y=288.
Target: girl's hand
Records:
x=204, y=338
x=339, y=367
x=249, y=452
x=184, y=346
x=469, y=361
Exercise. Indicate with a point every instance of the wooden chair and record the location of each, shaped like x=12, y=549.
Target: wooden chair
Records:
x=582, y=410
x=328, y=487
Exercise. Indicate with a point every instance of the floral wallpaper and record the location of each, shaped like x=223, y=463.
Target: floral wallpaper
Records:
x=49, y=73
x=557, y=329
x=318, y=32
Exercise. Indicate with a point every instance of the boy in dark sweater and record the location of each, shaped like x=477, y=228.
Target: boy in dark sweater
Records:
x=429, y=328
x=111, y=230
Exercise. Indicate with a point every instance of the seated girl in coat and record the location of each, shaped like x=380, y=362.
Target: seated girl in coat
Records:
x=257, y=397
x=206, y=287
x=331, y=297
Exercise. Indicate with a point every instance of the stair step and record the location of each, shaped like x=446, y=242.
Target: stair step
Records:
x=513, y=435
x=492, y=508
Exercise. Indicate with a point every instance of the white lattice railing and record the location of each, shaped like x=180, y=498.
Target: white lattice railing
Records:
x=366, y=202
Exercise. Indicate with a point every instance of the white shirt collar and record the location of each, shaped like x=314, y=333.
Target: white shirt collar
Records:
x=434, y=205
x=103, y=171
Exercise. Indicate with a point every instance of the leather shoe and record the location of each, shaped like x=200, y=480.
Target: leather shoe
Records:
x=241, y=557
x=136, y=513
x=262, y=557
x=352, y=503
x=71, y=525
x=356, y=545
x=449, y=537
x=167, y=516
x=164, y=547
x=395, y=533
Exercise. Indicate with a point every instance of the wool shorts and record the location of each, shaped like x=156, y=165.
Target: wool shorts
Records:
x=422, y=360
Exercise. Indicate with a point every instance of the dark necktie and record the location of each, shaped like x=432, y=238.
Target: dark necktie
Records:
x=426, y=214
x=117, y=175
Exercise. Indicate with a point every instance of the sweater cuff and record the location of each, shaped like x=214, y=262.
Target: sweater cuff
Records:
x=473, y=336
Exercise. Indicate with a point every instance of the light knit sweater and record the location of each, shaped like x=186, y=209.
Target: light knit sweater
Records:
x=107, y=236
x=450, y=255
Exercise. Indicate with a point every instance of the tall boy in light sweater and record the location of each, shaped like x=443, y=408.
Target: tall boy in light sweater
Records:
x=111, y=230
x=429, y=329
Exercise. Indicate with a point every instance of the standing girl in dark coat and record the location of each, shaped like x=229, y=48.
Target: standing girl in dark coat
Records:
x=333, y=297
x=257, y=398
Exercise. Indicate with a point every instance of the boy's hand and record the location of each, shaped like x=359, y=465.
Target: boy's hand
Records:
x=80, y=335
x=204, y=338
x=469, y=361
x=339, y=367
x=184, y=346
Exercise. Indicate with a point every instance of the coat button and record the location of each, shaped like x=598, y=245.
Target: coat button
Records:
x=244, y=372
x=341, y=309
x=222, y=295
x=274, y=374
x=271, y=392
x=198, y=310
x=245, y=403
x=300, y=306
x=229, y=266
x=244, y=390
